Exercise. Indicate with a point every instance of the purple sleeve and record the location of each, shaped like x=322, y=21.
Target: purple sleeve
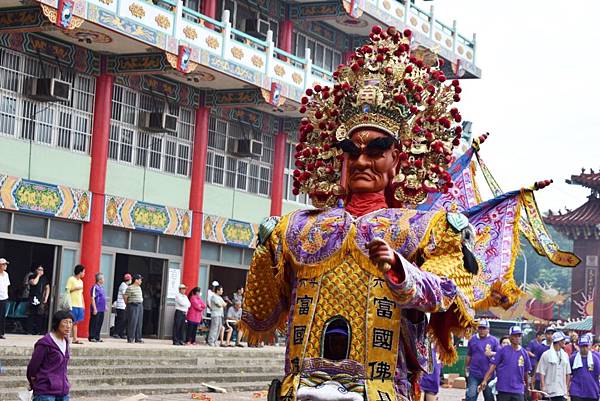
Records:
x=497, y=359
x=39, y=351
x=528, y=366
x=470, y=348
x=421, y=290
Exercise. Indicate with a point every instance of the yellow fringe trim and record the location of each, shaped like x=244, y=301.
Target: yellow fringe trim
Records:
x=509, y=287
x=441, y=329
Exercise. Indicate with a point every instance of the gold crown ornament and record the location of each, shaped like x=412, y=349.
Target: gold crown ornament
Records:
x=383, y=87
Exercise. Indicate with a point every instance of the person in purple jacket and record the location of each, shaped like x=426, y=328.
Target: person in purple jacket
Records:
x=482, y=347
x=47, y=369
x=430, y=382
x=585, y=372
x=98, y=307
x=512, y=365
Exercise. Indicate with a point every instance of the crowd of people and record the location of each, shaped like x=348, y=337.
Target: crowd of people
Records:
x=220, y=313
x=553, y=366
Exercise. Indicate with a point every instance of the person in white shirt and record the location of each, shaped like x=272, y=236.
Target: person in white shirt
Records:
x=216, y=318
x=121, y=319
x=234, y=315
x=4, y=283
x=210, y=293
x=182, y=304
x=554, y=369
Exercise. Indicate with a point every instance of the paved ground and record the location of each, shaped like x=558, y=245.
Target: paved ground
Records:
x=14, y=340
x=445, y=395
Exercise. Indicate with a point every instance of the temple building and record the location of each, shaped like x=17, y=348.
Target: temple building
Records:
x=582, y=225
x=152, y=137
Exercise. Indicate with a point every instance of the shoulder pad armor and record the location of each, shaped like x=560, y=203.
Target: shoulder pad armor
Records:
x=266, y=227
x=458, y=221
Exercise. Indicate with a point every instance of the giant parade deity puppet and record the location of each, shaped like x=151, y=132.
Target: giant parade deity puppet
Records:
x=365, y=281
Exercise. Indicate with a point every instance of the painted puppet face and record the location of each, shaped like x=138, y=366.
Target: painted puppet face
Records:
x=372, y=161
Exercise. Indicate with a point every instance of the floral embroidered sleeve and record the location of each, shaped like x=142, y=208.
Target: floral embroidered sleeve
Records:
x=420, y=290
x=267, y=291
x=440, y=285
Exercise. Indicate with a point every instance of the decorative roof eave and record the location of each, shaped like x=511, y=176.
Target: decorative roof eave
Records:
x=576, y=233
x=579, y=325
x=590, y=180
x=581, y=223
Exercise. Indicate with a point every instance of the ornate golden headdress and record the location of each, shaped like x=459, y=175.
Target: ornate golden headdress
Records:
x=385, y=88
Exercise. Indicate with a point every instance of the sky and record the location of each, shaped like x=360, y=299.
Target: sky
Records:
x=539, y=92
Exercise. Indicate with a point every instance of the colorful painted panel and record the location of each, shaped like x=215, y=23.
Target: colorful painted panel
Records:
x=230, y=232
x=137, y=215
x=75, y=57
x=181, y=94
x=21, y=19
x=51, y=200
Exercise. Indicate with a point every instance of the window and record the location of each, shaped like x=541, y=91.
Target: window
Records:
x=30, y=225
x=170, y=245
x=65, y=125
x=169, y=152
x=240, y=173
x=5, y=222
x=288, y=177
x=65, y=230
x=115, y=237
x=143, y=242
x=322, y=55
x=239, y=13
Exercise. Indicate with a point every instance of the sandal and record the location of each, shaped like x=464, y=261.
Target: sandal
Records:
x=77, y=342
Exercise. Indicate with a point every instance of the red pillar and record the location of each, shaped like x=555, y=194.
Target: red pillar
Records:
x=278, y=171
x=286, y=30
x=91, y=239
x=193, y=245
x=209, y=8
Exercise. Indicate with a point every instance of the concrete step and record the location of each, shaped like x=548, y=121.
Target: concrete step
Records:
x=146, y=360
x=125, y=379
x=20, y=371
x=135, y=351
x=113, y=391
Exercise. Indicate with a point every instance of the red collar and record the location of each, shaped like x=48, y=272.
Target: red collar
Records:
x=360, y=204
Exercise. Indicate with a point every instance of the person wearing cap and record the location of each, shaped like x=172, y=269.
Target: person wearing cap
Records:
x=585, y=371
x=135, y=312
x=554, y=369
x=182, y=304
x=512, y=366
x=211, y=292
x=481, y=348
x=539, y=350
x=4, y=283
x=121, y=319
